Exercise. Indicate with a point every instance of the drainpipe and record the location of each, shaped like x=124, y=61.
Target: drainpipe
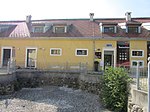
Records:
x=93, y=54
x=148, y=84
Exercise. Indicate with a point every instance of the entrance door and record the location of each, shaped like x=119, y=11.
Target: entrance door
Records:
x=6, y=56
x=31, y=58
x=108, y=58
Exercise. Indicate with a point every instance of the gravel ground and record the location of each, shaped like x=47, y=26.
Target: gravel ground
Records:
x=50, y=99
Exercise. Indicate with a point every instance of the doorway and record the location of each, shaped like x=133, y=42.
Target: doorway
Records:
x=109, y=58
x=31, y=54
x=6, y=55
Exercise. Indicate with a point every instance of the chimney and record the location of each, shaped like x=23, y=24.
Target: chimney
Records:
x=28, y=19
x=128, y=16
x=91, y=16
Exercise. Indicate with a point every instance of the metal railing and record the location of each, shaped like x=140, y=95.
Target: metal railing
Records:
x=9, y=68
x=140, y=77
x=68, y=67
x=54, y=67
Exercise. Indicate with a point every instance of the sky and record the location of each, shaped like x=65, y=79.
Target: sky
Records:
x=72, y=9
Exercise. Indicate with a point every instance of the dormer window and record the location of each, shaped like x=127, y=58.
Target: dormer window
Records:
x=60, y=29
x=133, y=29
x=38, y=29
x=108, y=27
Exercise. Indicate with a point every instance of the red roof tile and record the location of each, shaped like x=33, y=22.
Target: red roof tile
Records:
x=76, y=28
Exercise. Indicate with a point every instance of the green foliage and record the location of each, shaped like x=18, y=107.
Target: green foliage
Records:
x=114, y=89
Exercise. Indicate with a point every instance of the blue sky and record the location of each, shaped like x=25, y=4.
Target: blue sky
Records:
x=64, y=9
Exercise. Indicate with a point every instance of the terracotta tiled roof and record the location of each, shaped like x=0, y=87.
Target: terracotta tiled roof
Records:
x=75, y=28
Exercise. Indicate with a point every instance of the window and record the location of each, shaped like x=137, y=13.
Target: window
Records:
x=137, y=53
x=81, y=52
x=55, y=52
x=123, y=52
x=4, y=28
x=132, y=29
x=109, y=29
x=60, y=29
x=38, y=29
x=134, y=63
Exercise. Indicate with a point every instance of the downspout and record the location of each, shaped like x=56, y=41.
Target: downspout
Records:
x=93, y=36
x=93, y=53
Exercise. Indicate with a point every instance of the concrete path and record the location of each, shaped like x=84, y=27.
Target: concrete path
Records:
x=50, y=99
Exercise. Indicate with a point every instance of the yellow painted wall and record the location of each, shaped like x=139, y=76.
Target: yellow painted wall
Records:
x=139, y=45
x=43, y=51
x=68, y=46
x=101, y=44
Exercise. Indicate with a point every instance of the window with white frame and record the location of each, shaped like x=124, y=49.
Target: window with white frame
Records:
x=109, y=29
x=81, y=52
x=137, y=53
x=134, y=63
x=60, y=29
x=133, y=29
x=55, y=51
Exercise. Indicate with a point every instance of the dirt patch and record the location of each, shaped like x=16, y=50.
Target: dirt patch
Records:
x=51, y=99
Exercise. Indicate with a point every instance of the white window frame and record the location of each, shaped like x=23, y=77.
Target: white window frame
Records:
x=139, y=29
x=80, y=49
x=2, y=53
x=137, y=56
x=54, y=27
x=115, y=28
x=55, y=54
x=103, y=26
x=36, y=49
x=137, y=61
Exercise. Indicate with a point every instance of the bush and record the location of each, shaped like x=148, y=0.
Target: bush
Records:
x=114, y=89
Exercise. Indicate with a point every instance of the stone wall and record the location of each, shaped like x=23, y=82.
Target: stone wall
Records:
x=36, y=78
x=32, y=79
x=90, y=83
x=7, y=83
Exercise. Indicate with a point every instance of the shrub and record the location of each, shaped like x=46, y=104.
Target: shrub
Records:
x=114, y=89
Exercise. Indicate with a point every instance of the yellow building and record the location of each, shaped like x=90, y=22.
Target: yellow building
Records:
x=62, y=44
